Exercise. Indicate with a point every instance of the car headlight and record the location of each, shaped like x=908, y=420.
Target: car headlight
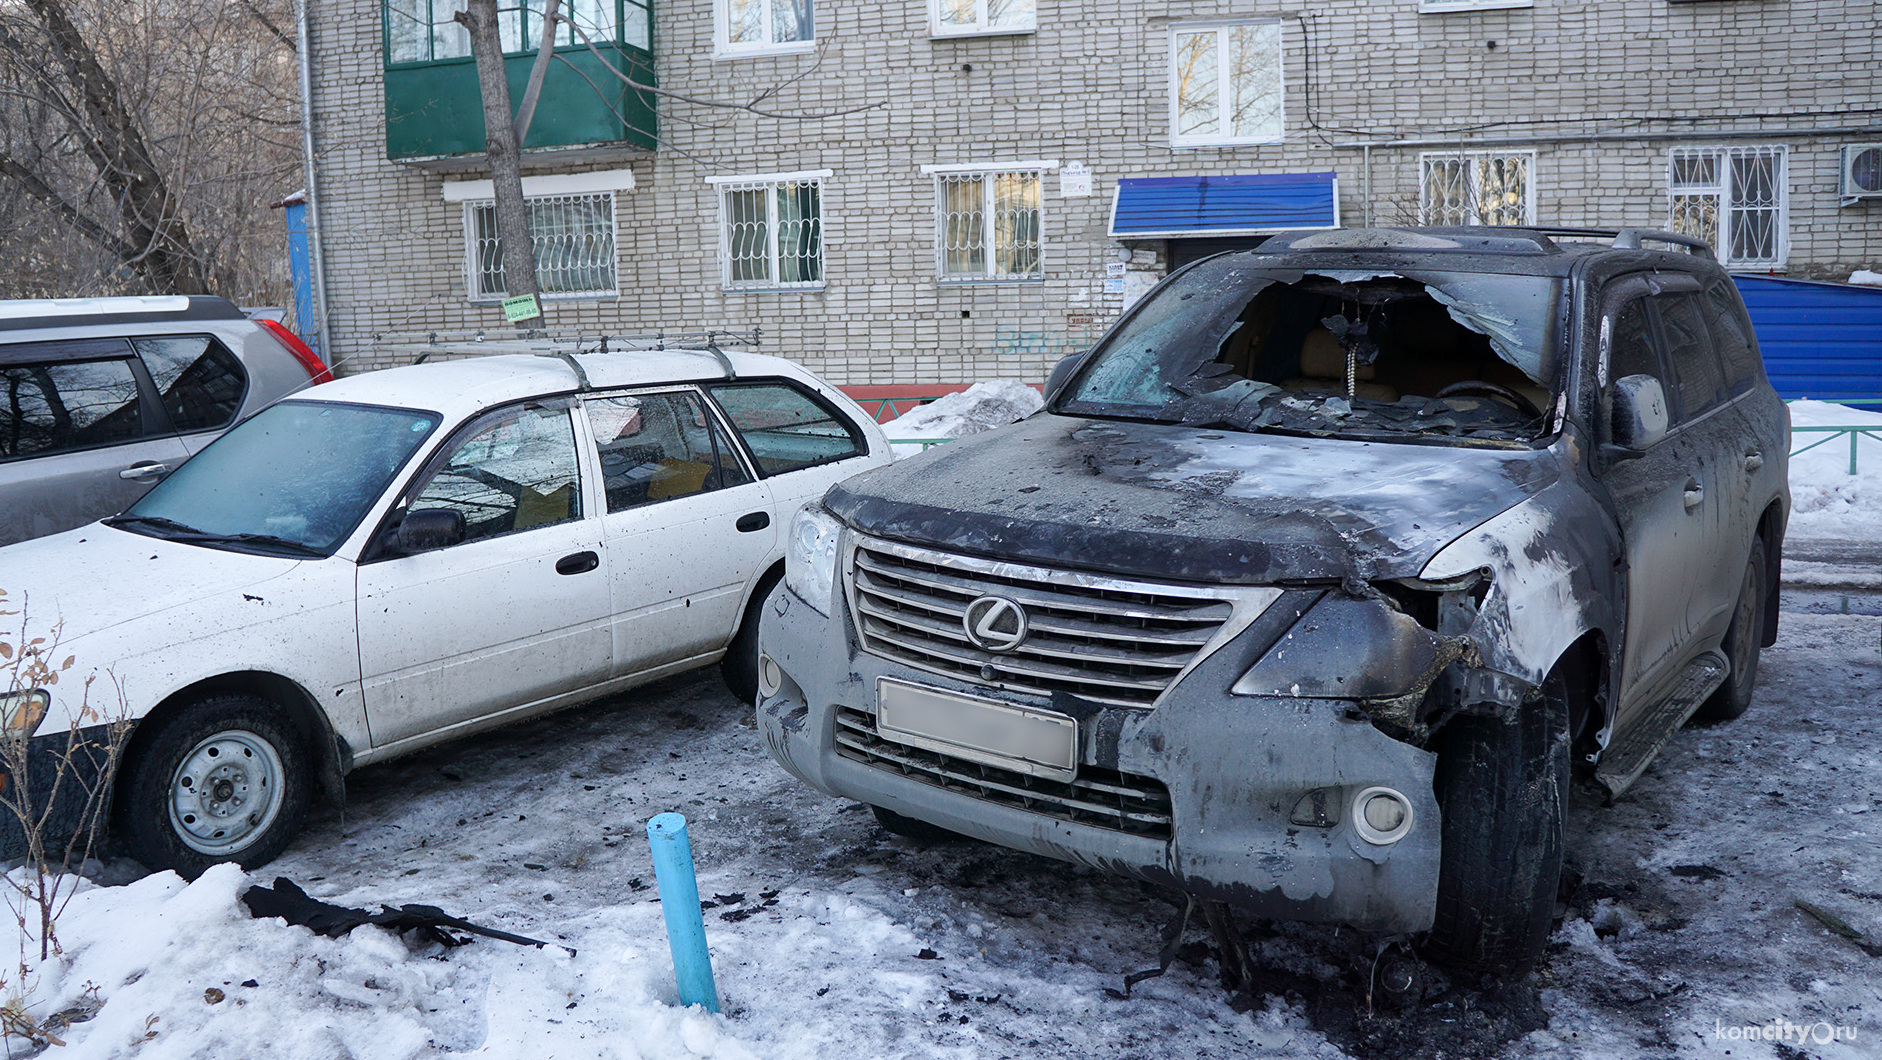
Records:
x=21, y=712
x=1348, y=648
x=810, y=559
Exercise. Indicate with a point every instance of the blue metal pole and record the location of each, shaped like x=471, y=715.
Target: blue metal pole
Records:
x=679, y=901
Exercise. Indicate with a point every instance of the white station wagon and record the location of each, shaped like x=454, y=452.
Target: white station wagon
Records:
x=407, y=556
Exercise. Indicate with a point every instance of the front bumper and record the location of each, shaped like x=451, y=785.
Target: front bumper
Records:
x=1234, y=767
x=65, y=775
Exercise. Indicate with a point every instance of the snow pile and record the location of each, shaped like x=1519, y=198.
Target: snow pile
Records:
x=1866, y=276
x=980, y=407
x=1827, y=501
x=183, y=971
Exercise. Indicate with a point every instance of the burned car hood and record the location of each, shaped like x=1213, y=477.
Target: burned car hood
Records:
x=1189, y=504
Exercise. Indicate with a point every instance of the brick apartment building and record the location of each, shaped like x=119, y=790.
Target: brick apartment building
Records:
x=1019, y=169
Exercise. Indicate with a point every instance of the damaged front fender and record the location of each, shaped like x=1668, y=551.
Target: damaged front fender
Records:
x=1366, y=650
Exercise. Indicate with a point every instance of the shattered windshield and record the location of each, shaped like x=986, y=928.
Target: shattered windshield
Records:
x=1445, y=356
x=294, y=480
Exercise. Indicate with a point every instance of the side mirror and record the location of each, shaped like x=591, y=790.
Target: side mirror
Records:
x=1637, y=418
x=430, y=528
x=1062, y=373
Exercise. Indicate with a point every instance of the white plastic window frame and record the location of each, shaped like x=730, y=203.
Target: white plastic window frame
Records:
x=982, y=26
x=1728, y=207
x=473, y=273
x=1471, y=216
x=1440, y=7
x=1037, y=169
x=769, y=182
x=1224, y=84
x=723, y=47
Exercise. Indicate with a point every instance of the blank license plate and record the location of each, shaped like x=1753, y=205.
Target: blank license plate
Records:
x=1036, y=742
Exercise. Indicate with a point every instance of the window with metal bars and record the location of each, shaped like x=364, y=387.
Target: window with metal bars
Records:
x=1477, y=188
x=988, y=226
x=1736, y=198
x=961, y=18
x=418, y=31
x=746, y=27
x=572, y=235
x=1225, y=84
x=771, y=232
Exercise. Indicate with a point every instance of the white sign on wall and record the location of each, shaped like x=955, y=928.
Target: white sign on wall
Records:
x=1074, y=181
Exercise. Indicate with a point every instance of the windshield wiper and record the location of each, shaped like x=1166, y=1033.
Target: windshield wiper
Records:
x=154, y=522
x=263, y=540
x=171, y=530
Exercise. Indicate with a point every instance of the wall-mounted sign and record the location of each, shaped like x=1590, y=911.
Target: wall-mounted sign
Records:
x=1074, y=180
x=522, y=307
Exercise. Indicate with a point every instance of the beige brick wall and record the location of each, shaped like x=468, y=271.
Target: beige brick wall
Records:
x=1091, y=85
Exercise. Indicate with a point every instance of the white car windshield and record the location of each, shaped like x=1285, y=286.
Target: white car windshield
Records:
x=294, y=480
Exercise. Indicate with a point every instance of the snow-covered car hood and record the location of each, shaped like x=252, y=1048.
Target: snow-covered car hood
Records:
x=1191, y=504
x=95, y=577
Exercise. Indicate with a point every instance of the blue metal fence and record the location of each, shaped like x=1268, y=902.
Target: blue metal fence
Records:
x=1819, y=340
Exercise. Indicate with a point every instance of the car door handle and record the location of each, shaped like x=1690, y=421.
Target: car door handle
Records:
x=1695, y=493
x=1754, y=460
x=143, y=470
x=753, y=521
x=577, y=563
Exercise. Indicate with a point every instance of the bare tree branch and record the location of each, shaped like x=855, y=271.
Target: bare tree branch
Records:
x=269, y=25
x=92, y=230
x=683, y=97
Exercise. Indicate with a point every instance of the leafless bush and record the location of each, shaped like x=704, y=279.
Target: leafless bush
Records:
x=55, y=790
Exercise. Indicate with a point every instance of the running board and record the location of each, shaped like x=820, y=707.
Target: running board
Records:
x=1627, y=757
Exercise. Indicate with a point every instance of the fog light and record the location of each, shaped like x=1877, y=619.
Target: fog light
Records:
x=770, y=677
x=1319, y=808
x=1381, y=815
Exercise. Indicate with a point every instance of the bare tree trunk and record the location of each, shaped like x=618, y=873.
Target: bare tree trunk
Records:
x=501, y=148
x=526, y=110
x=111, y=137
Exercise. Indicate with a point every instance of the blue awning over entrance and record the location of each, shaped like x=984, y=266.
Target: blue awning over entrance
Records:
x=1244, y=204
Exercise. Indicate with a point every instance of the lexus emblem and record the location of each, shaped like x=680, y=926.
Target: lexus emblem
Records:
x=995, y=623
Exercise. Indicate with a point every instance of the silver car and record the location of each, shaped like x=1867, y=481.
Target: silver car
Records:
x=103, y=397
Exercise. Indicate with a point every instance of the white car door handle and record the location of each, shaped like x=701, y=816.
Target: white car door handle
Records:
x=1695, y=493
x=1754, y=460
x=145, y=470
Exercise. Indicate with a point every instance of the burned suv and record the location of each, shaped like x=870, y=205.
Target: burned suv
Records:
x=1315, y=581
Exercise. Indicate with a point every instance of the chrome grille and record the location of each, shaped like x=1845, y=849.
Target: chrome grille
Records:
x=1105, y=639
x=1101, y=798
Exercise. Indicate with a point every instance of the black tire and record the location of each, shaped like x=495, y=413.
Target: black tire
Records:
x=253, y=806
x=1503, y=789
x=739, y=668
x=910, y=828
x=1742, y=638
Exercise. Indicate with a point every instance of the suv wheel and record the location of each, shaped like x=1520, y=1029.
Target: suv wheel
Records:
x=1741, y=645
x=225, y=779
x=1502, y=787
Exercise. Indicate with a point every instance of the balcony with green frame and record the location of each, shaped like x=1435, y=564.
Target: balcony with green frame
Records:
x=434, y=111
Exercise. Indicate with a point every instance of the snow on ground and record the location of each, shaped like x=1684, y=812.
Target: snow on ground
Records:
x=1827, y=501
x=980, y=407
x=1682, y=924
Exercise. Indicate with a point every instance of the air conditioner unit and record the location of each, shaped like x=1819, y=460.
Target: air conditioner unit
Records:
x=1862, y=172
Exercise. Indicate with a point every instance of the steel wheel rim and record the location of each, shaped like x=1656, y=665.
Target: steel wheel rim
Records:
x=225, y=791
